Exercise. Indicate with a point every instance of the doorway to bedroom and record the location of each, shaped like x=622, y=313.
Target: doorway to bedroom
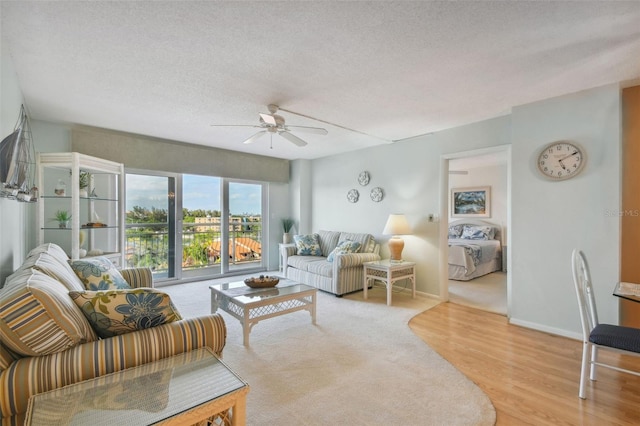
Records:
x=477, y=218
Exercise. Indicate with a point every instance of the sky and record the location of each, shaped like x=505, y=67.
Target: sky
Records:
x=200, y=192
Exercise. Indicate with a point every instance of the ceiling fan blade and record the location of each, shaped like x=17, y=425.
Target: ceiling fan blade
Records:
x=233, y=125
x=255, y=137
x=314, y=130
x=269, y=119
x=293, y=139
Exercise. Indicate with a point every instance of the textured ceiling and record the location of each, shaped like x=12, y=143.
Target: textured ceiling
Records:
x=390, y=70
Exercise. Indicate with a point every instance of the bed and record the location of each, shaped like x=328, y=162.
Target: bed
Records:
x=475, y=249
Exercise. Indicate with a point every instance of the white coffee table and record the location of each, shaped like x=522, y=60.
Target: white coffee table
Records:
x=251, y=306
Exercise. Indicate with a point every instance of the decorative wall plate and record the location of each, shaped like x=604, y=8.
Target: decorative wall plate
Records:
x=377, y=194
x=363, y=178
x=353, y=195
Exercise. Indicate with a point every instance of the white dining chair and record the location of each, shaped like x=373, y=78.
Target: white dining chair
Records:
x=596, y=336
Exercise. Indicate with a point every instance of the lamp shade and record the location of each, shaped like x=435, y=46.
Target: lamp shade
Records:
x=396, y=225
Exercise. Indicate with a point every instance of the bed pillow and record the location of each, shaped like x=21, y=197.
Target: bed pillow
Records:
x=115, y=312
x=478, y=232
x=346, y=246
x=455, y=231
x=98, y=273
x=308, y=245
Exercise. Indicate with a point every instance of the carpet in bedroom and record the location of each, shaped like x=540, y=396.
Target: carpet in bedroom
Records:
x=488, y=292
x=360, y=365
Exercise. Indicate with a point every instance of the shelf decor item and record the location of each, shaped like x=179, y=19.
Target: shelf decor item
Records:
x=60, y=189
x=62, y=217
x=83, y=180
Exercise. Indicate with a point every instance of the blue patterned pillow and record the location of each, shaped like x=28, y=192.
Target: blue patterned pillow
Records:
x=478, y=232
x=455, y=231
x=346, y=246
x=115, y=312
x=308, y=245
x=98, y=273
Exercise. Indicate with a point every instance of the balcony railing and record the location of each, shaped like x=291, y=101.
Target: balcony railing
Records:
x=147, y=245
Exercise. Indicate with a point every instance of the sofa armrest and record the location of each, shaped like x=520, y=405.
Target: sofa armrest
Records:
x=33, y=375
x=138, y=277
x=348, y=260
x=287, y=250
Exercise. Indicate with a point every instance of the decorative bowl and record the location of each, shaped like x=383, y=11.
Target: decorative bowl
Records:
x=261, y=282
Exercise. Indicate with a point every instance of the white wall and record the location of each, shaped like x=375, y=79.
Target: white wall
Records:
x=548, y=218
x=409, y=173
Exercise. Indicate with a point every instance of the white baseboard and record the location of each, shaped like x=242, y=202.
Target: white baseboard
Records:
x=545, y=329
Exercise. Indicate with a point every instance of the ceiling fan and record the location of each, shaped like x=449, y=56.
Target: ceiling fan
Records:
x=274, y=124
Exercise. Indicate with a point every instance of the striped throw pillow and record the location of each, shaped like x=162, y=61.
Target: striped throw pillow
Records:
x=37, y=316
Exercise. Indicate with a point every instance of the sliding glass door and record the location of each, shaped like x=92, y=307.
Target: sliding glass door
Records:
x=151, y=223
x=201, y=215
x=245, y=225
x=176, y=225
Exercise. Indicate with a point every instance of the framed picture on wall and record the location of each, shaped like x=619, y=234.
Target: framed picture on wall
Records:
x=471, y=202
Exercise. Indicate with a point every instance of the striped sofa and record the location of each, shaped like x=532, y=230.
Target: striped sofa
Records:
x=47, y=343
x=339, y=274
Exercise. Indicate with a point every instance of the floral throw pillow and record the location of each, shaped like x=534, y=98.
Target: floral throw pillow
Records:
x=98, y=273
x=455, y=231
x=346, y=246
x=308, y=245
x=477, y=233
x=115, y=312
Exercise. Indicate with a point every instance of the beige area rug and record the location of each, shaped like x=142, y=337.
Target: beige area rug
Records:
x=360, y=365
x=488, y=293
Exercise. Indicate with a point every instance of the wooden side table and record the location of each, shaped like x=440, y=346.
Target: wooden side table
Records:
x=389, y=272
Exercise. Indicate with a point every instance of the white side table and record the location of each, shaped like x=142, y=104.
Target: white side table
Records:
x=282, y=246
x=389, y=272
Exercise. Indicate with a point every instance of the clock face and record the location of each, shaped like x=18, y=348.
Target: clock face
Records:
x=561, y=160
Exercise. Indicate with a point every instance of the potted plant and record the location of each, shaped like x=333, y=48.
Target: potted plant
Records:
x=62, y=217
x=84, y=184
x=287, y=224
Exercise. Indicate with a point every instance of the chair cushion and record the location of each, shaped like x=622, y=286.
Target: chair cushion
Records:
x=121, y=311
x=37, y=316
x=346, y=246
x=303, y=262
x=322, y=268
x=308, y=245
x=98, y=273
x=616, y=336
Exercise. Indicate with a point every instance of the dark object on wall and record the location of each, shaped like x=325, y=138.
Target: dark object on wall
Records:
x=17, y=163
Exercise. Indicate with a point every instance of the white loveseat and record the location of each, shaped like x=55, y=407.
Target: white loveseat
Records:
x=344, y=274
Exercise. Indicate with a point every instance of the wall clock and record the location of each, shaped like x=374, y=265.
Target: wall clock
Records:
x=561, y=160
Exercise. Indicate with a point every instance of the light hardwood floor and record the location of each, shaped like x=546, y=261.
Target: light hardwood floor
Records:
x=531, y=377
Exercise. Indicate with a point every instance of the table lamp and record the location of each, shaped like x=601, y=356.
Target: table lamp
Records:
x=396, y=225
